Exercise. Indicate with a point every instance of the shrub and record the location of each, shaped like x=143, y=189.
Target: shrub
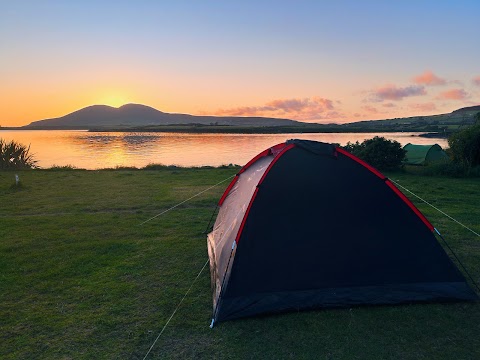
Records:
x=14, y=155
x=160, y=167
x=446, y=168
x=465, y=146
x=62, y=168
x=379, y=152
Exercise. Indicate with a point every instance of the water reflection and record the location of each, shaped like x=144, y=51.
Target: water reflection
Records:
x=132, y=142
x=95, y=140
x=140, y=140
x=100, y=150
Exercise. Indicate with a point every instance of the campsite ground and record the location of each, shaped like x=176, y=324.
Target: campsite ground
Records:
x=80, y=278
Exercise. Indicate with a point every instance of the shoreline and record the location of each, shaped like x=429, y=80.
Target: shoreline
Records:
x=244, y=130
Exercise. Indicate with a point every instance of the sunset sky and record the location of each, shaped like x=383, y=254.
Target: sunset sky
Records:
x=320, y=61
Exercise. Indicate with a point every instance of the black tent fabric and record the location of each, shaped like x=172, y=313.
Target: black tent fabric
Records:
x=308, y=225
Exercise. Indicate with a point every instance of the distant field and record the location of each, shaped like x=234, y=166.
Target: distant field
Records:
x=80, y=278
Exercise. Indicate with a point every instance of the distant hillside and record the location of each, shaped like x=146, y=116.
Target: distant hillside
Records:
x=468, y=110
x=134, y=115
x=460, y=117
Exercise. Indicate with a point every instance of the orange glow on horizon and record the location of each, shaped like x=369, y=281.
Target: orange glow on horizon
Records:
x=31, y=103
x=115, y=100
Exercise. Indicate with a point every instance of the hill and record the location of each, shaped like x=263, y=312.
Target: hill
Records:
x=135, y=115
x=468, y=110
x=459, y=117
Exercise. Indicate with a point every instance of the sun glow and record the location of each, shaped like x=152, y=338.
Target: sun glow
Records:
x=115, y=100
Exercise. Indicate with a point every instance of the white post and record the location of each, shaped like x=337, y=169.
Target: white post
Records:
x=17, y=179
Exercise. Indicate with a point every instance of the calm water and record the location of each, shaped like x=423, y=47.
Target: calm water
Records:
x=94, y=150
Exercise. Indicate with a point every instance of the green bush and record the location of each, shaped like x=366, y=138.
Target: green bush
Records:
x=62, y=168
x=160, y=167
x=450, y=169
x=465, y=145
x=14, y=155
x=379, y=152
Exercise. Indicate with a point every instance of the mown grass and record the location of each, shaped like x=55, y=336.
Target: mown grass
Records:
x=80, y=278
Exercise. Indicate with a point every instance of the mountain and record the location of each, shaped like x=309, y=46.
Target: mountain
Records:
x=135, y=115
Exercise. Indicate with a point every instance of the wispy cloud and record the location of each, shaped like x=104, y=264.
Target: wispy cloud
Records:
x=389, y=105
x=300, y=109
x=394, y=93
x=476, y=80
x=425, y=107
x=370, y=109
x=454, y=94
x=429, y=78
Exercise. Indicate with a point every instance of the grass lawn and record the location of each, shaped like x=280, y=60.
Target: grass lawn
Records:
x=80, y=278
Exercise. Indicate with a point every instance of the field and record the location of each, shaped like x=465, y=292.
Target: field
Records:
x=81, y=278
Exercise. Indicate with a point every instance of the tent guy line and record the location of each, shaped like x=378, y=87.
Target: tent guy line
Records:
x=174, y=312
x=440, y=235
x=440, y=211
x=184, y=201
x=458, y=260
x=198, y=275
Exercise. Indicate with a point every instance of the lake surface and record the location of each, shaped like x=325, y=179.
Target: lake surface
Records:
x=96, y=150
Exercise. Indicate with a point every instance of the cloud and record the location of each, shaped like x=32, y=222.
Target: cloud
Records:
x=429, y=78
x=300, y=109
x=370, y=109
x=454, y=94
x=425, y=107
x=239, y=111
x=476, y=80
x=296, y=105
x=394, y=93
x=389, y=105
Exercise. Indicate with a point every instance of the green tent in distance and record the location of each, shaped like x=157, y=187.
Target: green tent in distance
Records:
x=424, y=154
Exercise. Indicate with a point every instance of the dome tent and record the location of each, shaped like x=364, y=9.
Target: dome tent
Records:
x=423, y=154
x=308, y=225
